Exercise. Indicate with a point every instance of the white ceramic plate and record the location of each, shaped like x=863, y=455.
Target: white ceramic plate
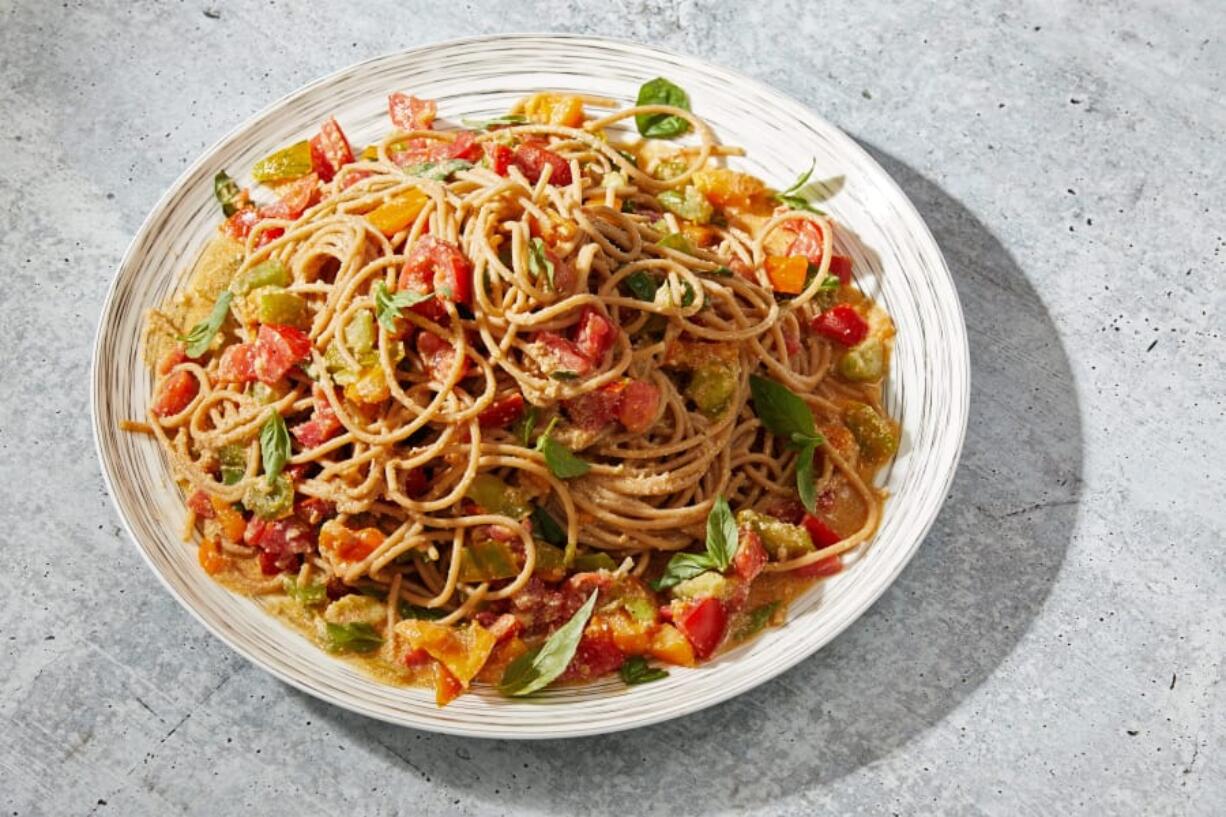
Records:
x=896, y=259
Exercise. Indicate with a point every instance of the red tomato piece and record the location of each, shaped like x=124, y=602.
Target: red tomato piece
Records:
x=841, y=323
x=277, y=349
x=825, y=567
x=355, y=176
x=334, y=145
x=438, y=356
x=410, y=113
x=703, y=622
x=594, y=334
x=175, y=394
x=237, y=364
x=565, y=353
x=270, y=235
x=639, y=404
x=791, y=343
x=323, y=424
x=281, y=542
x=319, y=160
x=238, y=226
x=596, y=655
x=822, y=534
x=202, y=505
x=750, y=555
x=413, y=482
x=596, y=409
x=439, y=267
x=171, y=359
x=808, y=242
x=295, y=197
x=532, y=161
x=465, y=147
x=415, y=658
x=499, y=156
x=502, y=412
x=313, y=510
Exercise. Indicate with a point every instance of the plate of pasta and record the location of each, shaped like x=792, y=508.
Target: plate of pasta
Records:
x=530, y=386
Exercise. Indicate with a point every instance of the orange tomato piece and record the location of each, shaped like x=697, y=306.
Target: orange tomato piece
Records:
x=370, y=387
x=787, y=273
x=668, y=644
x=633, y=637
x=724, y=187
x=231, y=521
x=506, y=652
x=446, y=686
x=347, y=545
x=210, y=556
x=555, y=109
x=395, y=214
x=462, y=651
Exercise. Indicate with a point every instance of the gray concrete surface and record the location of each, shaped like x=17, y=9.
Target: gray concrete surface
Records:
x=1055, y=648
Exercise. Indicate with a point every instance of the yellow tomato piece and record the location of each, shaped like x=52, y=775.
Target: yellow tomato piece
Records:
x=395, y=214
x=726, y=187
x=462, y=651
x=370, y=387
x=787, y=273
x=668, y=644
x=633, y=637
x=555, y=109
x=506, y=652
x=231, y=521
x=446, y=686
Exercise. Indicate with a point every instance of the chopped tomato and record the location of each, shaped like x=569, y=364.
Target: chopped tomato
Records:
x=232, y=523
x=502, y=412
x=463, y=651
x=596, y=409
x=314, y=510
x=415, y=658
x=502, y=626
x=281, y=542
x=344, y=544
x=841, y=323
x=295, y=197
x=826, y=567
x=410, y=113
x=319, y=160
x=840, y=267
x=532, y=161
x=238, y=226
x=499, y=156
x=596, y=655
x=565, y=353
x=441, y=268
x=175, y=394
x=331, y=142
x=639, y=404
x=594, y=334
x=822, y=534
x=555, y=109
x=726, y=188
x=703, y=623
x=438, y=356
x=171, y=359
x=750, y=555
x=808, y=242
x=210, y=556
x=464, y=147
x=668, y=644
x=446, y=686
x=355, y=176
x=277, y=349
x=323, y=424
x=199, y=502
x=237, y=364
x=787, y=510
x=787, y=273
x=269, y=235
x=413, y=482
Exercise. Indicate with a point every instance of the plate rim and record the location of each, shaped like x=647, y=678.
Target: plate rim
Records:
x=959, y=402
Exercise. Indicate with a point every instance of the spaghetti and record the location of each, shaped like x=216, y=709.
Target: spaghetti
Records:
x=448, y=389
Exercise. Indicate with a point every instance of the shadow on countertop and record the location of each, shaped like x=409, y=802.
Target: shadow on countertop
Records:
x=940, y=631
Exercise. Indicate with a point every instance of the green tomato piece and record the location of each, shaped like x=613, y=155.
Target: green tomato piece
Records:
x=708, y=584
x=877, y=439
x=487, y=561
x=550, y=562
x=233, y=459
x=360, y=332
x=271, y=273
x=342, y=373
x=641, y=608
x=270, y=500
x=712, y=386
x=292, y=162
x=678, y=242
x=864, y=362
x=495, y=496
x=276, y=305
x=782, y=540
x=691, y=204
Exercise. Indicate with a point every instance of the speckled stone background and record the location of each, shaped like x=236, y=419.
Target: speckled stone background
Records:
x=1056, y=647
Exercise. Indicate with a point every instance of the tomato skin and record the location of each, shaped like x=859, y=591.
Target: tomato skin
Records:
x=750, y=556
x=502, y=412
x=277, y=349
x=175, y=394
x=787, y=273
x=237, y=364
x=640, y=402
x=439, y=267
x=410, y=113
x=565, y=352
x=297, y=197
x=842, y=324
x=703, y=622
x=438, y=356
x=334, y=146
x=499, y=156
x=532, y=161
x=595, y=334
x=822, y=534
x=787, y=510
x=447, y=687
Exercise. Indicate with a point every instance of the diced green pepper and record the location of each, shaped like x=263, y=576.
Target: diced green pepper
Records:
x=292, y=162
x=486, y=561
x=670, y=169
x=595, y=561
x=227, y=193
x=495, y=496
x=233, y=459
x=708, y=584
x=690, y=204
x=678, y=242
x=863, y=362
x=270, y=499
x=271, y=273
x=276, y=305
x=550, y=562
x=360, y=334
x=342, y=373
x=782, y=540
x=877, y=438
x=640, y=607
x=712, y=386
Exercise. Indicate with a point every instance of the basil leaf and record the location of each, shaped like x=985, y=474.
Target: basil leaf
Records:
x=438, y=171
x=539, y=263
x=687, y=297
x=538, y=668
x=201, y=335
x=801, y=180
x=594, y=561
x=308, y=595
x=274, y=445
x=756, y=619
x=782, y=412
x=494, y=122
x=683, y=566
x=411, y=611
x=564, y=375
x=804, y=477
x=641, y=285
x=356, y=637
x=636, y=670
x=546, y=527
x=388, y=304
x=829, y=284
x=660, y=91
x=721, y=272
x=721, y=534
x=226, y=193
x=525, y=425
x=560, y=459
x=792, y=198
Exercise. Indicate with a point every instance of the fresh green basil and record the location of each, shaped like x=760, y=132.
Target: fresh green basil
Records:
x=660, y=91
x=546, y=527
x=274, y=445
x=538, y=668
x=493, y=122
x=227, y=193
x=636, y=670
x=356, y=637
x=564, y=375
x=792, y=198
x=721, y=534
x=388, y=304
x=561, y=460
x=788, y=417
x=201, y=335
x=683, y=566
x=412, y=611
x=539, y=263
x=641, y=285
x=525, y=425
